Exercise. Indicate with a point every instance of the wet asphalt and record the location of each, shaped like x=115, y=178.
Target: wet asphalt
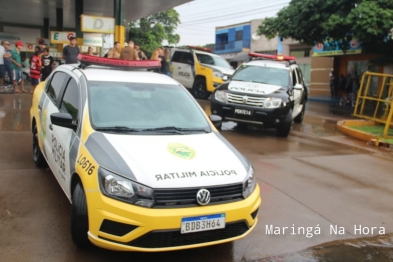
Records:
x=315, y=178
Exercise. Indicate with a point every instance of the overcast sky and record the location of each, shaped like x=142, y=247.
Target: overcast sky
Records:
x=199, y=18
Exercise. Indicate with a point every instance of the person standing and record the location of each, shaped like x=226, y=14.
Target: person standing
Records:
x=115, y=51
x=7, y=61
x=141, y=54
x=165, y=62
x=2, y=68
x=48, y=64
x=331, y=82
x=129, y=52
x=17, y=68
x=35, y=70
x=71, y=52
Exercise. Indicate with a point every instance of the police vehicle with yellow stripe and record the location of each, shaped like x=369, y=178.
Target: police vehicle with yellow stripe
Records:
x=143, y=166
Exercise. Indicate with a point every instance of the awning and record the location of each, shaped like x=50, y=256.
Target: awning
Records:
x=240, y=57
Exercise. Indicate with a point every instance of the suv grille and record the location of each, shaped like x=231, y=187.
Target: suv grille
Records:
x=251, y=100
x=187, y=197
x=173, y=238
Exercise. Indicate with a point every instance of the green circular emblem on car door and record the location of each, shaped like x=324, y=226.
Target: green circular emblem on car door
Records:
x=181, y=150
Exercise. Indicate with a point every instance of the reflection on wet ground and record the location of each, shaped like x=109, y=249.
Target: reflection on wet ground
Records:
x=14, y=112
x=379, y=249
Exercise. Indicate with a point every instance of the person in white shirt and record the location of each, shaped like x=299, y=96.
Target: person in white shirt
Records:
x=2, y=68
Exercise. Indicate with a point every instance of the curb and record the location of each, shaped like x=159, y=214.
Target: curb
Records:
x=342, y=126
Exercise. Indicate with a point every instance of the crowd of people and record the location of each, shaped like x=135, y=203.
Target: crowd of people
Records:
x=42, y=64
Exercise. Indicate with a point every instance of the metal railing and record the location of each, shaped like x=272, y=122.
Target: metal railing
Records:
x=375, y=99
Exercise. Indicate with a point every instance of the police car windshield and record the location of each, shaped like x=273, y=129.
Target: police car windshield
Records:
x=143, y=107
x=212, y=60
x=262, y=74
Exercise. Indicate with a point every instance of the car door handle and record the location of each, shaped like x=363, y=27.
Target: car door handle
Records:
x=50, y=127
x=39, y=106
x=179, y=68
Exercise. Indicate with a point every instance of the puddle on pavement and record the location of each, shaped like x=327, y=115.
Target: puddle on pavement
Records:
x=14, y=112
x=378, y=249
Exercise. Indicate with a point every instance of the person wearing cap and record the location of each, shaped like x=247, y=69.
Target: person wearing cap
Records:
x=35, y=70
x=42, y=44
x=7, y=60
x=141, y=54
x=17, y=67
x=71, y=52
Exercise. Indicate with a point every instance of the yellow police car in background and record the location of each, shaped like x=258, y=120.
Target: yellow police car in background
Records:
x=143, y=166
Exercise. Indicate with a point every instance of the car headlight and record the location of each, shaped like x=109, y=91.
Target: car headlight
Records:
x=249, y=183
x=123, y=189
x=272, y=102
x=221, y=96
x=218, y=74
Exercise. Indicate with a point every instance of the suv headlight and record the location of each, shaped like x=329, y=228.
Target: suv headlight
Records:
x=221, y=96
x=249, y=183
x=272, y=102
x=218, y=74
x=123, y=189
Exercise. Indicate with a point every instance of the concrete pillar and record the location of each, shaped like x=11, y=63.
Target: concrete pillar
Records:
x=119, y=21
x=46, y=30
x=59, y=19
x=78, y=13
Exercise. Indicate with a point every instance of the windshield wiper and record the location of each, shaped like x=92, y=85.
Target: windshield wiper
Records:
x=258, y=82
x=117, y=129
x=239, y=80
x=177, y=129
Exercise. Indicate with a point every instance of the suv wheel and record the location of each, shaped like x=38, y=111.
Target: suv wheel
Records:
x=79, y=218
x=199, y=89
x=299, y=118
x=285, y=127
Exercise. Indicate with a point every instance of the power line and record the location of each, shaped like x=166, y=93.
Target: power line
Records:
x=228, y=16
x=225, y=10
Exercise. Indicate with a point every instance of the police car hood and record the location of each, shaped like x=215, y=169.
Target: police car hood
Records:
x=225, y=71
x=252, y=88
x=170, y=161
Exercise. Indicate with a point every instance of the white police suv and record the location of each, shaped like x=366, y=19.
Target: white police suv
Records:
x=268, y=91
x=143, y=166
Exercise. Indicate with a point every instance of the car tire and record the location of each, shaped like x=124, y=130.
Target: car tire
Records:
x=299, y=118
x=285, y=127
x=199, y=90
x=79, y=218
x=38, y=157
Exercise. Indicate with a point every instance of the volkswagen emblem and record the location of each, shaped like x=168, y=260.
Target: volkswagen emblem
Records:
x=203, y=197
x=245, y=99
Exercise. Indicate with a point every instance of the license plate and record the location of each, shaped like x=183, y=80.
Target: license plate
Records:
x=243, y=112
x=202, y=223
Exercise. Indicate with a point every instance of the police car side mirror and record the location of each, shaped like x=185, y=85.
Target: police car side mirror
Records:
x=225, y=78
x=63, y=120
x=298, y=87
x=216, y=120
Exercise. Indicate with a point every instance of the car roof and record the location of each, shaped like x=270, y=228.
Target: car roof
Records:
x=269, y=63
x=196, y=51
x=118, y=75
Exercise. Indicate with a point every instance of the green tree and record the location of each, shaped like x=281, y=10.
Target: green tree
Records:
x=312, y=21
x=150, y=31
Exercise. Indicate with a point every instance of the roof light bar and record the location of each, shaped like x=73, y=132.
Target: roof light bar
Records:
x=273, y=57
x=118, y=63
x=200, y=48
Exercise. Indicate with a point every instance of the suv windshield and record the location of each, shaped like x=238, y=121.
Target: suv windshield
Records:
x=262, y=74
x=134, y=107
x=212, y=60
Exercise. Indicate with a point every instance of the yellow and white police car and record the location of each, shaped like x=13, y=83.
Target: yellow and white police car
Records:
x=143, y=166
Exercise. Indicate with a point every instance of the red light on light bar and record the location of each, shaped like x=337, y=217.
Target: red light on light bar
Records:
x=273, y=57
x=200, y=48
x=111, y=62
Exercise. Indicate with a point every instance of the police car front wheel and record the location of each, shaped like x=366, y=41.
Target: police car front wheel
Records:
x=79, y=218
x=199, y=89
x=285, y=127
